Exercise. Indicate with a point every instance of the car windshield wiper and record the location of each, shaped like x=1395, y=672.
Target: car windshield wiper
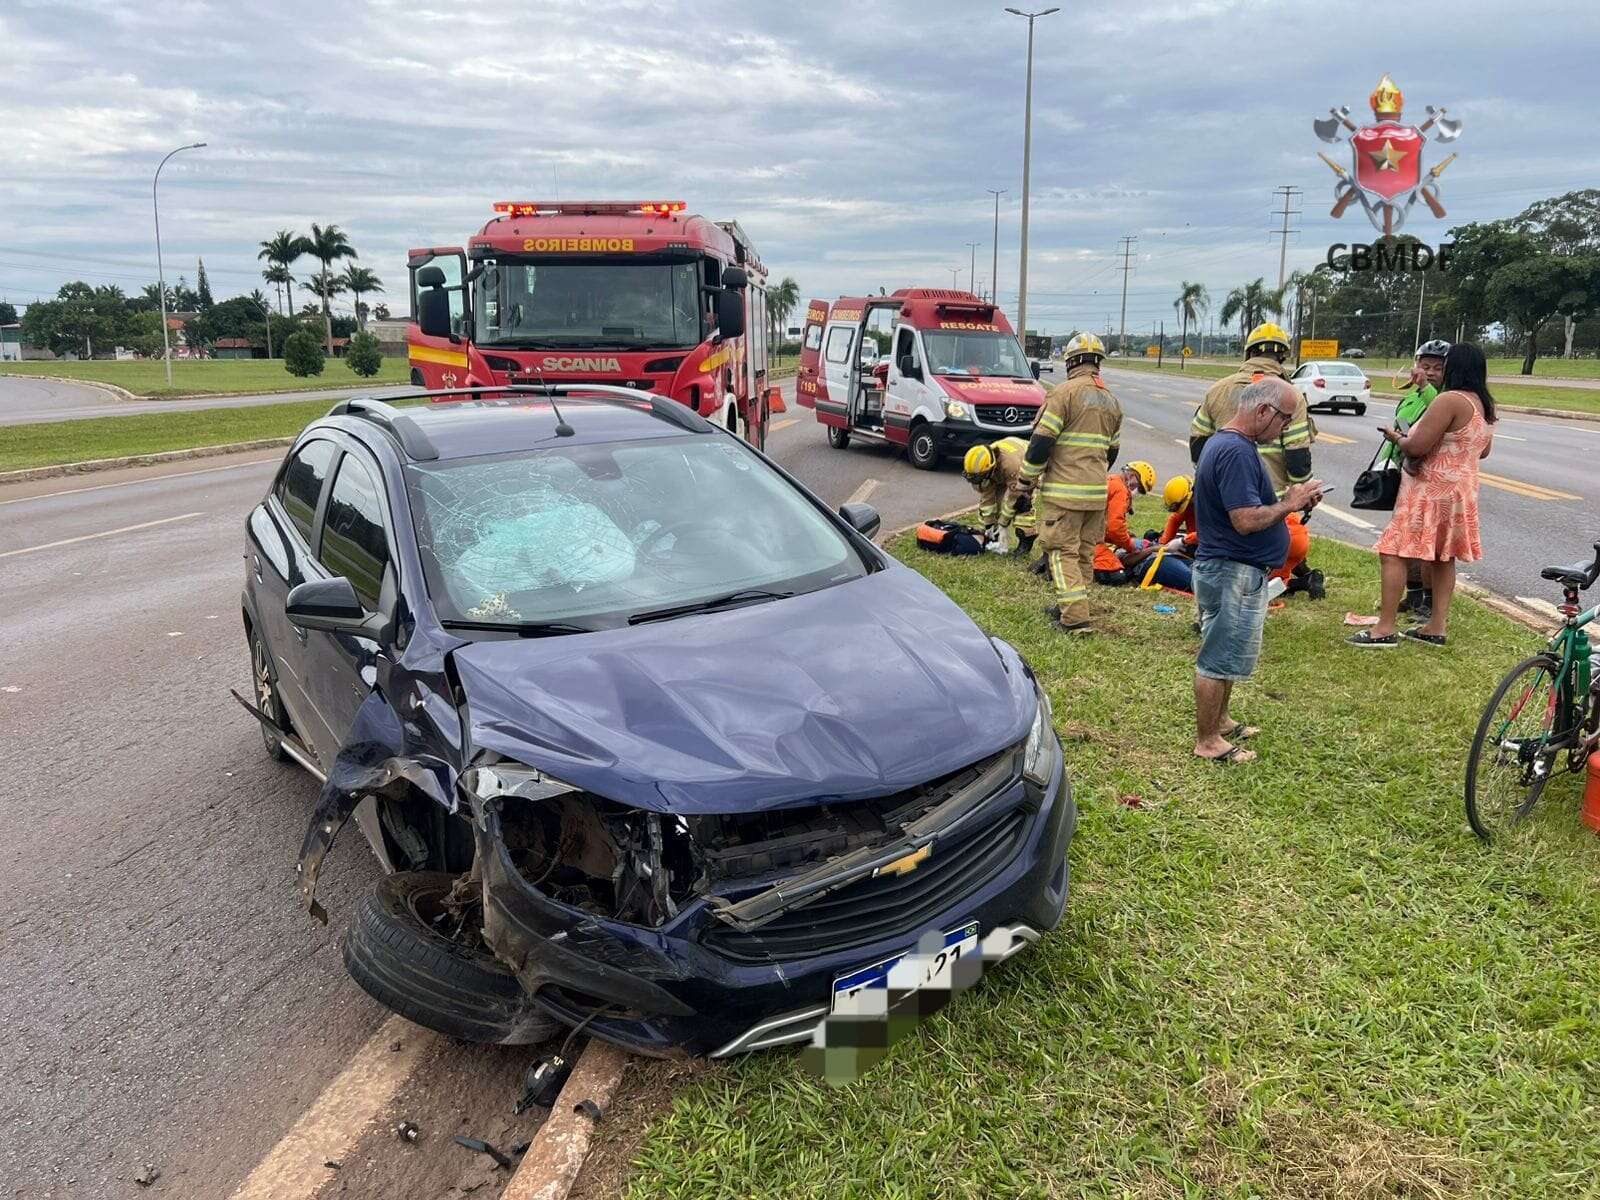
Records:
x=730, y=600
x=522, y=628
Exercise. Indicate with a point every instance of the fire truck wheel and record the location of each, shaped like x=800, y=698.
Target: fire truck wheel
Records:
x=416, y=379
x=838, y=438
x=923, y=449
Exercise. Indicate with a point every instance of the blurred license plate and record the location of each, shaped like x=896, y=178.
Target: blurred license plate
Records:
x=853, y=993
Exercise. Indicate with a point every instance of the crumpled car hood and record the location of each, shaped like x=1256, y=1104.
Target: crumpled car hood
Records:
x=854, y=691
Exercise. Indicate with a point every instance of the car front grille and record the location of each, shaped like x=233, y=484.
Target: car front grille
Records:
x=1007, y=414
x=873, y=909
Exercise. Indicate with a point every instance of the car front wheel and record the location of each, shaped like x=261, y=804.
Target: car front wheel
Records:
x=923, y=449
x=425, y=959
x=838, y=438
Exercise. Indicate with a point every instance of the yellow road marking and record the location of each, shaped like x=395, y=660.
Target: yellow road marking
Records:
x=1335, y=438
x=868, y=486
x=783, y=424
x=1531, y=490
x=89, y=537
x=330, y=1127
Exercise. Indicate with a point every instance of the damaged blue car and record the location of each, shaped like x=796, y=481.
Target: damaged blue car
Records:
x=646, y=737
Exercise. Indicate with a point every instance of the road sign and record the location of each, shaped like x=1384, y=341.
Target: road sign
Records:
x=1188, y=351
x=1152, y=351
x=1319, y=348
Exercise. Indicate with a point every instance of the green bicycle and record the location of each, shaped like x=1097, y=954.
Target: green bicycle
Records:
x=1546, y=706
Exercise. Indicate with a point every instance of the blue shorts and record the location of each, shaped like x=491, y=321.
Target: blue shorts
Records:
x=1232, y=598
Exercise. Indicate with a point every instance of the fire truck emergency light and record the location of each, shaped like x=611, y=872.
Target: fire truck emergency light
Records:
x=524, y=208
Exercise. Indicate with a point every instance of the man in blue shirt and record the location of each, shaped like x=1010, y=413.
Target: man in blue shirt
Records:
x=1243, y=538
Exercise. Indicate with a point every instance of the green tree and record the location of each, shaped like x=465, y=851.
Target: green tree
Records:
x=327, y=245
x=1192, y=301
x=1251, y=303
x=80, y=320
x=782, y=298
x=202, y=289
x=302, y=354
x=280, y=252
x=380, y=312
x=8, y=313
x=1530, y=292
x=363, y=356
x=359, y=280
x=143, y=336
x=1568, y=226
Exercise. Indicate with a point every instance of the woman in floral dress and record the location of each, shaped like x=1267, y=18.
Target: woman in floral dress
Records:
x=1436, y=514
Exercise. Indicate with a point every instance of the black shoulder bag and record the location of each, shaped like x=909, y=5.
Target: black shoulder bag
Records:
x=1377, y=487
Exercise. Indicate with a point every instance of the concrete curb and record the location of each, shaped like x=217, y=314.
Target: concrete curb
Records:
x=139, y=460
x=550, y=1167
x=121, y=393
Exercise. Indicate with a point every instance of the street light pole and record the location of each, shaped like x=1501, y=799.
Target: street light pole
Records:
x=955, y=277
x=994, y=259
x=161, y=276
x=972, y=266
x=1027, y=155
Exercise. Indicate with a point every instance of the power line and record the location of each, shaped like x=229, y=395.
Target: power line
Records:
x=1127, y=255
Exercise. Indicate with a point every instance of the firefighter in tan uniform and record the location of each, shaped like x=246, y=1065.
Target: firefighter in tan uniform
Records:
x=1288, y=460
x=1075, y=441
x=996, y=471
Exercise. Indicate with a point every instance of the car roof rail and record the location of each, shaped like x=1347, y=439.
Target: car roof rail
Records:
x=413, y=440
x=663, y=407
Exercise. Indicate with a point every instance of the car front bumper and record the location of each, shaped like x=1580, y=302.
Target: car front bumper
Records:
x=677, y=989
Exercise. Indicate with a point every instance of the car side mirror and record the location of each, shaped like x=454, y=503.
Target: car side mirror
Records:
x=433, y=314
x=332, y=606
x=734, y=277
x=863, y=518
x=1036, y=368
x=909, y=368
x=730, y=314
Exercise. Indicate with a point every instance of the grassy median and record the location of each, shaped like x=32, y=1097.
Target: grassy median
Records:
x=1509, y=395
x=1297, y=977
x=242, y=376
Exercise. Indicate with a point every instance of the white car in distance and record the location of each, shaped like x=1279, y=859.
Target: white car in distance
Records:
x=1331, y=385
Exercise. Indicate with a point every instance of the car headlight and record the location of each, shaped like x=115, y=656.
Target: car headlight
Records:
x=1039, y=753
x=956, y=410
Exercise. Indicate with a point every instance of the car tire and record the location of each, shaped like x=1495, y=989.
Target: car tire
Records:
x=923, y=448
x=416, y=379
x=1361, y=410
x=266, y=695
x=838, y=438
x=407, y=965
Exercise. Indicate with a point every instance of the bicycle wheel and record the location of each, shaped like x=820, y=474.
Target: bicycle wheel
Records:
x=1515, y=748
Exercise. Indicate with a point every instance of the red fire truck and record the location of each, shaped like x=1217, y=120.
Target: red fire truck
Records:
x=932, y=369
x=632, y=294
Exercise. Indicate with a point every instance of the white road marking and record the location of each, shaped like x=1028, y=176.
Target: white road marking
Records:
x=1351, y=518
x=1506, y=437
x=100, y=487
x=330, y=1127
x=1180, y=442
x=868, y=486
x=89, y=537
x=1141, y=424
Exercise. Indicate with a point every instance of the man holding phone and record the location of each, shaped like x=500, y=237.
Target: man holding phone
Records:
x=1243, y=538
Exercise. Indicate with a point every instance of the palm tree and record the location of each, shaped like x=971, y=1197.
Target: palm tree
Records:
x=327, y=246
x=782, y=298
x=1191, y=302
x=1250, y=303
x=359, y=280
x=278, y=275
x=280, y=250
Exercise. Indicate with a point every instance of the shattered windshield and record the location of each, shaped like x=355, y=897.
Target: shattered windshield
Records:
x=589, y=535
x=604, y=303
x=965, y=352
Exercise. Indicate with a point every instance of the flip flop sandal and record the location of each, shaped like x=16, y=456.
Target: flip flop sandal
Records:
x=1236, y=755
x=1241, y=732
x=1365, y=640
x=1427, y=639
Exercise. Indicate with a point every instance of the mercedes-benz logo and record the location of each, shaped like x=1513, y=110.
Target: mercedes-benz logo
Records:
x=1011, y=416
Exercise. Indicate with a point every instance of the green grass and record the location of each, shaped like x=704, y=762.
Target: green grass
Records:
x=48, y=443
x=1509, y=395
x=1297, y=977
x=148, y=377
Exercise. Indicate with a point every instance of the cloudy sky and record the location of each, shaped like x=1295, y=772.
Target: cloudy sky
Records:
x=854, y=141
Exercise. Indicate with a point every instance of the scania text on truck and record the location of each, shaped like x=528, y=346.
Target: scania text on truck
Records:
x=931, y=369
x=628, y=293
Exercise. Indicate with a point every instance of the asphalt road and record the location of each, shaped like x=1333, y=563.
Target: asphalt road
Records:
x=29, y=400
x=166, y=1000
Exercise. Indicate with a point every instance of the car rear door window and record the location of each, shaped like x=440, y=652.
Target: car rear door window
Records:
x=839, y=343
x=300, y=485
x=353, y=540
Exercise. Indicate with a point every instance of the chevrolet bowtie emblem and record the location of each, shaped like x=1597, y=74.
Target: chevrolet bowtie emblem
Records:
x=906, y=865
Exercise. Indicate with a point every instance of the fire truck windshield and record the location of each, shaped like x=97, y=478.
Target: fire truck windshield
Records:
x=974, y=352
x=598, y=303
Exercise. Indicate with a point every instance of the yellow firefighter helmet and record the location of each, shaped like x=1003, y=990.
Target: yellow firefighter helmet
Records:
x=1082, y=346
x=1146, y=474
x=1267, y=334
x=1177, y=492
x=978, y=463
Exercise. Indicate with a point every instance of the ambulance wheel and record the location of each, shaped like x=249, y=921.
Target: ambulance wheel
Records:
x=838, y=438
x=923, y=449
x=416, y=379
x=1361, y=410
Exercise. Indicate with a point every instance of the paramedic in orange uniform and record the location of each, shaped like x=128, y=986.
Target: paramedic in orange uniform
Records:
x=1109, y=568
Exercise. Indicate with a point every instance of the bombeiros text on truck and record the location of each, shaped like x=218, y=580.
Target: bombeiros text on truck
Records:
x=931, y=369
x=629, y=293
